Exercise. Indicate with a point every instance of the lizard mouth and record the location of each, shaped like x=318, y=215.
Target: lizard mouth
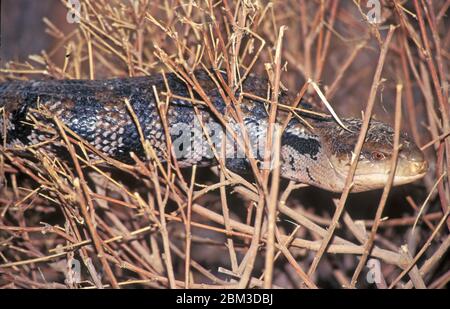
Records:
x=406, y=172
x=371, y=176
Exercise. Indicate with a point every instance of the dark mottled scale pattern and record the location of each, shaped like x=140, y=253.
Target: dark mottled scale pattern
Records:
x=304, y=146
x=95, y=110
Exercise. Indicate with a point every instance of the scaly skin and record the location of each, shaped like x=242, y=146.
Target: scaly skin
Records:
x=97, y=113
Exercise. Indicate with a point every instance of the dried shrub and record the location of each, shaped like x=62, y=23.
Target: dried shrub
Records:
x=151, y=225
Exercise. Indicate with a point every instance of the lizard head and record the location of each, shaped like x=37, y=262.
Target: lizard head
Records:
x=322, y=157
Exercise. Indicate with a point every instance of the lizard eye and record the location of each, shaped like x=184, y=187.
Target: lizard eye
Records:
x=378, y=156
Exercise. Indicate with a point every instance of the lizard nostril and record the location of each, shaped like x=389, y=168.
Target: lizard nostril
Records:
x=419, y=167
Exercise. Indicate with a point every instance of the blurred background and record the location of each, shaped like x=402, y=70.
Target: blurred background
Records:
x=23, y=28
